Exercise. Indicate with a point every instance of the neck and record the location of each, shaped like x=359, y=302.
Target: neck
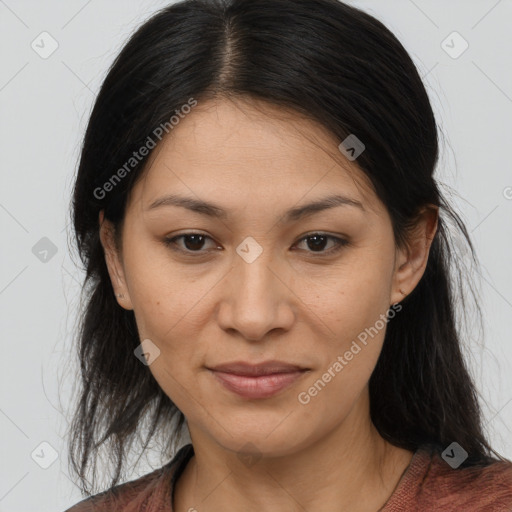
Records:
x=352, y=468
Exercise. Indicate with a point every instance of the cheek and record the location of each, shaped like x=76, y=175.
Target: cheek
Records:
x=351, y=297
x=332, y=391
x=163, y=293
x=168, y=319
x=170, y=308
x=353, y=305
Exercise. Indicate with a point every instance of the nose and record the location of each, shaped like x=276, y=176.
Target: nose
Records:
x=256, y=299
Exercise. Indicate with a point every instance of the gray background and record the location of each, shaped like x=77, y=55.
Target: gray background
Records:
x=45, y=103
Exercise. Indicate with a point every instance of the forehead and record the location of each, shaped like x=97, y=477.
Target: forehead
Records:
x=247, y=149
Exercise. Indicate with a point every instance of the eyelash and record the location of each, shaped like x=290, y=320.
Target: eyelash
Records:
x=340, y=244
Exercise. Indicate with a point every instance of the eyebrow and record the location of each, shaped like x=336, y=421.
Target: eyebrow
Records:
x=294, y=214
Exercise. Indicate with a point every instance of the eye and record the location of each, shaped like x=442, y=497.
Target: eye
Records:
x=194, y=242
x=318, y=241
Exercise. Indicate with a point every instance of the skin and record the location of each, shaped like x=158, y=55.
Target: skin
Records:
x=293, y=303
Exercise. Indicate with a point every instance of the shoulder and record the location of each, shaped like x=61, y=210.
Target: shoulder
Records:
x=473, y=488
x=149, y=492
x=129, y=496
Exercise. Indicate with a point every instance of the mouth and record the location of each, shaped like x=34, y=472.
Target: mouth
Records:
x=257, y=380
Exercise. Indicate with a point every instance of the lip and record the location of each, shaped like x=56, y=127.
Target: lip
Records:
x=257, y=380
x=254, y=370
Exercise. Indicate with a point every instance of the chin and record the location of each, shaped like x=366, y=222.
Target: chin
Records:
x=269, y=439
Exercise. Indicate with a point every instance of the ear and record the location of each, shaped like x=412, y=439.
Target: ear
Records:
x=412, y=260
x=114, y=262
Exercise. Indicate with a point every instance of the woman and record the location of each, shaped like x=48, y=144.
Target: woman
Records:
x=268, y=264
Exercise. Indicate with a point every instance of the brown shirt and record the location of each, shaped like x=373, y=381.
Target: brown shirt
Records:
x=428, y=484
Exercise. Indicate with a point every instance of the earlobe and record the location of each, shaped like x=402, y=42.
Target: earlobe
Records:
x=412, y=260
x=113, y=262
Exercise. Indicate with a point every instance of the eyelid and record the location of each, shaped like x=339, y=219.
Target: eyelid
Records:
x=170, y=242
x=340, y=241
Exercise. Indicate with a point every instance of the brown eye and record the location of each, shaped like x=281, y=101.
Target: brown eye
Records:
x=317, y=242
x=192, y=242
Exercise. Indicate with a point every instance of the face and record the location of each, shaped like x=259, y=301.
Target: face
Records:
x=243, y=279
